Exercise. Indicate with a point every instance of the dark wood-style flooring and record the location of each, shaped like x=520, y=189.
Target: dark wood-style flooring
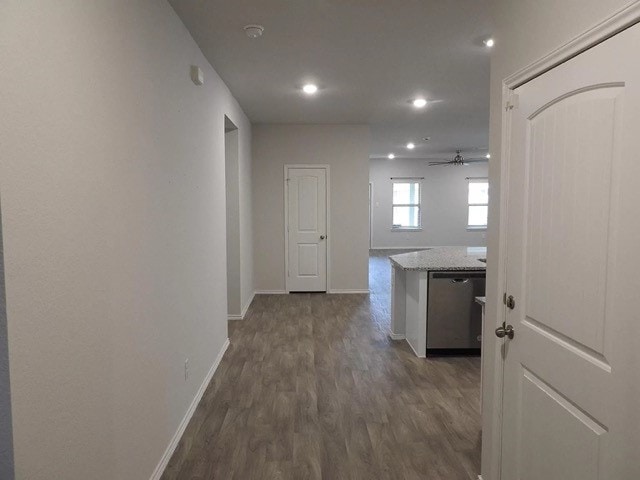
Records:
x=311, y=387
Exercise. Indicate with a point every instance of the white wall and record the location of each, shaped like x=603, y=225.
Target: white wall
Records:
x=6, y=433
x=525, y=31
x=444, y=204
x=113, y=198
x=234, y=306
x=346, y=149
x=245, y=209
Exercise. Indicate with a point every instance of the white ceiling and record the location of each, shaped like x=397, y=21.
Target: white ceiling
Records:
x=369, y=57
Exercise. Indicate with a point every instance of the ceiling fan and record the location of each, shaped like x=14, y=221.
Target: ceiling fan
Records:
x=458, y=160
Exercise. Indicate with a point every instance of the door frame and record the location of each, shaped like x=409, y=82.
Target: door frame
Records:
x=607, y=28
x=326, y=168
x=370, y=215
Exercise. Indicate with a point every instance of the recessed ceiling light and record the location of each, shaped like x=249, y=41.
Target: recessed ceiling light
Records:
x=254, y=31
x=411, y=145
x=419, y=103
x=310, y=88
x=488, y=155
x=489, y=42
x=391, y=156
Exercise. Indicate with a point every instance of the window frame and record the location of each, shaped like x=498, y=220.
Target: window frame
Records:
x=471, y=180
x=417, y=180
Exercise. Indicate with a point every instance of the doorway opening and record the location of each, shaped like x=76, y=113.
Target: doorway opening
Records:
x=234, y=306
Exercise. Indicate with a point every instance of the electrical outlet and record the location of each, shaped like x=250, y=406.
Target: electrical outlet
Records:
x=186, y=369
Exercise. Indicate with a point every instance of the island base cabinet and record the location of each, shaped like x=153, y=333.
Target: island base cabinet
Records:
x=416, y=311
x=398, y=304
x=409, y=309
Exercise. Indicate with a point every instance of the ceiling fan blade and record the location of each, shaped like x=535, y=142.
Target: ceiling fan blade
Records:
x=431, y=164
x=475, y=160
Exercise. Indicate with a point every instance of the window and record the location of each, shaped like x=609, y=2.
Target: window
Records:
x=478, y=203
x=406, y=205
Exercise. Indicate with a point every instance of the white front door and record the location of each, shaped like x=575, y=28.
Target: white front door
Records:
x=571, y=405
x=307, y=229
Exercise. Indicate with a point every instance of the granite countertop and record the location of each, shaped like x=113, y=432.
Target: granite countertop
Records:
x=442, y=258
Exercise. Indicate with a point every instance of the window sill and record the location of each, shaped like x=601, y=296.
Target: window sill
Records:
x=476, y=229
x=406, y=229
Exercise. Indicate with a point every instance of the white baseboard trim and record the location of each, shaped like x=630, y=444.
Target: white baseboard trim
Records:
x=159, y=470
x=396, y=336
x=424, y=354
x=399, y=248
x=348, y=291
x=283, y=292
x=244, y=310
x=423, y=247
x=247, y=305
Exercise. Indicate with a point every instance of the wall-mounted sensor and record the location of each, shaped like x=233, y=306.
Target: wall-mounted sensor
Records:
x=196, y=75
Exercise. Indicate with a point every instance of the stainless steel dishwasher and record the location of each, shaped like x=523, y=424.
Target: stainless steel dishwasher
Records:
x=454, y=320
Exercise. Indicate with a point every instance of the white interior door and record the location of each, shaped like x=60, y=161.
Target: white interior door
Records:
x=571, y=406
x=307, y=229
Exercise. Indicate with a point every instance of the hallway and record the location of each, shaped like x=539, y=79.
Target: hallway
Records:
x=312, y=387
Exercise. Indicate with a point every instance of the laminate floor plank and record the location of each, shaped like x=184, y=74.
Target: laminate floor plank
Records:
x=312, y=388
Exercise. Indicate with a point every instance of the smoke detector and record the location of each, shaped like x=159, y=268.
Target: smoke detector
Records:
x=253, y=31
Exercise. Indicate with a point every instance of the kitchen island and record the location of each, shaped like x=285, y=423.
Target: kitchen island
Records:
x=410, y=287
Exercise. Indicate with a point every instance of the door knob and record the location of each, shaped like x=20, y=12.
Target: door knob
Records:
x=505, y=331
x=322, y=237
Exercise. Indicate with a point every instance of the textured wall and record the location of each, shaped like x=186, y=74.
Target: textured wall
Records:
x=444, y=204
x=113, y=197
x=346, y=149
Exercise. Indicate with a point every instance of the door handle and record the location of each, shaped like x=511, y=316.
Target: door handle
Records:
x=505, y=331
x=322, y=237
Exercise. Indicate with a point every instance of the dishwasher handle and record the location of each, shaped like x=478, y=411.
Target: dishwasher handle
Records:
x=459, y=280
x=473, y=274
